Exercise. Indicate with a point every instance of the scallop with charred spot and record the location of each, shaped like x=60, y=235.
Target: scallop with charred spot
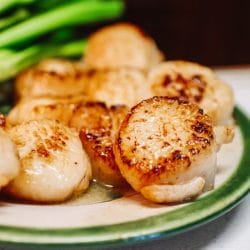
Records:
x=50, y=78
x=54, y=165
x=195, y=83
x=60, y=109
x=114, y=87
x=97, y=125
x=166, y=141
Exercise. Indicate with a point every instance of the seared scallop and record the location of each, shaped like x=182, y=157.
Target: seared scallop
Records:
x=97, y=125
x=60, y=109
x=50, y=78
x=195, y=83
x=166, y=150
x=9, y=161
x=121, y=45
x=121, y=86
x=54, y=165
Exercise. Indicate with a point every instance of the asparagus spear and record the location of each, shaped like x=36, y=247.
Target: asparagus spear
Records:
x=17, y=16
x=69, y=14
x=72, y=49
x=12, y=62
x=8, y=4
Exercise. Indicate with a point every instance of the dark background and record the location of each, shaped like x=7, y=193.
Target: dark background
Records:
x=209, y=32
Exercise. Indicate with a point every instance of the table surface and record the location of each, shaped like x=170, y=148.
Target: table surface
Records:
x=231, y=231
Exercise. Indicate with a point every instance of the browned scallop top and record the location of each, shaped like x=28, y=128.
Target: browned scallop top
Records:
x=116, y=86
x=97, y=125
x=58, y=111
x=40, y=139
x=121, y=45
x=52, y=77
x=186, y=88
x=163, y=135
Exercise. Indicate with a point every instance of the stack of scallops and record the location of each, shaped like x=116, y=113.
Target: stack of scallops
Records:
x=120, y=116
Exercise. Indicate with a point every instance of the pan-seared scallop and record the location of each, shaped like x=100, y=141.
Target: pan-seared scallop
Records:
x=50, y=78
x=60, y=109
x=9, y=162
x=98, y=125
x=121, y=45
x=195, y=83
x=54, y=165
x=166, y=150
x=121, y=86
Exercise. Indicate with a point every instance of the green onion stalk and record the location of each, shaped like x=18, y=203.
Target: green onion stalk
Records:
x=8, y=4
x=74, y=13
x=20, y=29
x=12, y=62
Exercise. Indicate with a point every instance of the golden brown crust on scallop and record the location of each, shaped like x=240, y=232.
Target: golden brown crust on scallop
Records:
x=159, y=139
x=121, y=86
x=189, y=89
x=184, y=80
x=97, y=125
x=193, y=82
x=121, y=45
x=50, y=78
x=53, y=162
x=60, y=109
x=47, y=140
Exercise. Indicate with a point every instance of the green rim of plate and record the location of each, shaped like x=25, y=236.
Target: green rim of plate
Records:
x=194, y=214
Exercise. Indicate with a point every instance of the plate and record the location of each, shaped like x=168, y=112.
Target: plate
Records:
x=115, y=219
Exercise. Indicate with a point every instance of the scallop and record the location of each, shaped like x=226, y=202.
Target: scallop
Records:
x=54, y=165
x=166, y=149
x=9, y=161
x=97, y=125
x=195, y=83
x=54, y=78
x=60, y=109
x=114, y=87
x=121, y=45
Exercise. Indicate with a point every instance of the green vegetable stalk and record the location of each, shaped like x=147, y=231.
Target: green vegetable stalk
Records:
x=18, y=16
x=8, y=4
x=24, y=22
x=73, y=13
x=12, y=62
